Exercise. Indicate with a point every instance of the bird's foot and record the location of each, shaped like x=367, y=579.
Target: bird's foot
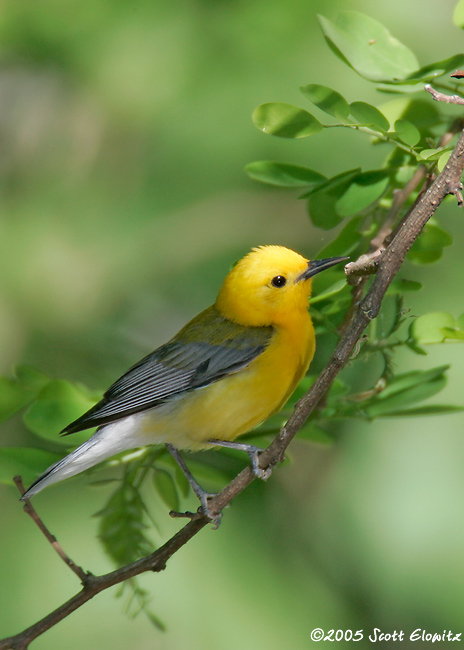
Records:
x=215, y=517
x=259, y=472
x=252, y=451
x=202, y=495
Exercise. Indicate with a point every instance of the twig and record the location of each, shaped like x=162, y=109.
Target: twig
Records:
x=29, y=509
x=388, y=265
x=367, y=264
x=441, y=97
x=154, y=562
x=399, y=199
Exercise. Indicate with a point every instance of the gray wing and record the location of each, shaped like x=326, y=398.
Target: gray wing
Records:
x=205, y=350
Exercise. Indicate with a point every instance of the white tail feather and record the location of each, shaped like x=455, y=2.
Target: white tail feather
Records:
x=105, y=442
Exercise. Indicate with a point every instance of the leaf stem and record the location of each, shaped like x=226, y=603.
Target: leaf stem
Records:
x=377, y=134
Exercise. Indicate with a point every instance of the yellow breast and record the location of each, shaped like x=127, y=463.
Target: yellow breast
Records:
x=237, y=403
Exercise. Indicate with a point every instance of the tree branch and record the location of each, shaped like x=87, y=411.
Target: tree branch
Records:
x=95, y=584
x=30, y=510
x=388, y=263
x=441, y=97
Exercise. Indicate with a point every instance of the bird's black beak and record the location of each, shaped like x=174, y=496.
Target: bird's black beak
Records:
x=316, y=266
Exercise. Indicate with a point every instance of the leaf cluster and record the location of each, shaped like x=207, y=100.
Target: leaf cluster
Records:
x=366, y=205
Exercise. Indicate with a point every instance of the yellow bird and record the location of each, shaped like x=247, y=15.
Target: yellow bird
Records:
x=225, y=372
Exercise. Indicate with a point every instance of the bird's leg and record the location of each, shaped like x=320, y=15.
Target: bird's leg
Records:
x=252, y=451
x=202, y=495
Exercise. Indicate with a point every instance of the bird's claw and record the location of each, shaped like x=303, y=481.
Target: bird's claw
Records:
x=262, y=473
x=215, y=517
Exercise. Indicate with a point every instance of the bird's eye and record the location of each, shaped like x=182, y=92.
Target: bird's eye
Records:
x=279, y=281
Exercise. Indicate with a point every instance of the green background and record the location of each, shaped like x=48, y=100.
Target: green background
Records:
x=124, y=131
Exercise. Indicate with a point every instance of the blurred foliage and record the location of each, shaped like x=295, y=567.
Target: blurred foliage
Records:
x=116, y=120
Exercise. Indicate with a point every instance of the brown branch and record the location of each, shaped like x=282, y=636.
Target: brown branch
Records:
x=367, y=264
x=448, y=182
x=399, y=199
x=30, y=510
x=388, y=264
x=95, y=584
x=441, y=97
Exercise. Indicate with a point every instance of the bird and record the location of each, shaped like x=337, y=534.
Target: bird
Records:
x=221, y=375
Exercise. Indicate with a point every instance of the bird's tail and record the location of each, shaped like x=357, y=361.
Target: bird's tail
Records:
x=104, y=443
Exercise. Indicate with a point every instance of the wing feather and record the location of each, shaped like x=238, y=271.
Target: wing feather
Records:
x=205, y=350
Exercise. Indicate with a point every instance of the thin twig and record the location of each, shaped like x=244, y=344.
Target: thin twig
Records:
x=390, y=262
x=441, y=97
x=154, y=562
x=366, y=264
x=448, y=182
x=29, y=509
x=399, y=199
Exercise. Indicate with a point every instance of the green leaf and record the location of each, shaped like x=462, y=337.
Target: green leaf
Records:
x=430, y=328
x=458, y=15
x=382, y=407
x=58, y=404
x=327, y=100
x=403, y=391
x=333, y=184
x=369, y=115
x=31, y=379
x=429, y=246
x=328, y=293
x=415, y=348
x=400, y=286
x=365, y=189
x=322, y=199
x=402, y=174
x=155, y=621
x=436, y=69
x=29, y=463
x=453, y=333
x=283, y=174
x=441, y=164
x=19, y=391
x=338, y=389
x=368, y=47
x=387, y=320
x=347, y=240
x=315, y=434
x=407, y=132
x=166, y=488
x=12, y=398
x=422, y=114
x=285, y=120
x=121, y=527
x=427, y=153
x=338, y=305
x=431, y=154
x=408, y=380
x=428, y=409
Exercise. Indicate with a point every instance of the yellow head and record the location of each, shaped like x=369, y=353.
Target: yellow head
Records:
x=268, y=285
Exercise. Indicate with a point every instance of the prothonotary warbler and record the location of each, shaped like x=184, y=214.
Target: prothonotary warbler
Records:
x=226, y=371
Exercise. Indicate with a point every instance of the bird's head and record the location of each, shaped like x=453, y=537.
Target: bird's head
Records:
x=268, y=286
